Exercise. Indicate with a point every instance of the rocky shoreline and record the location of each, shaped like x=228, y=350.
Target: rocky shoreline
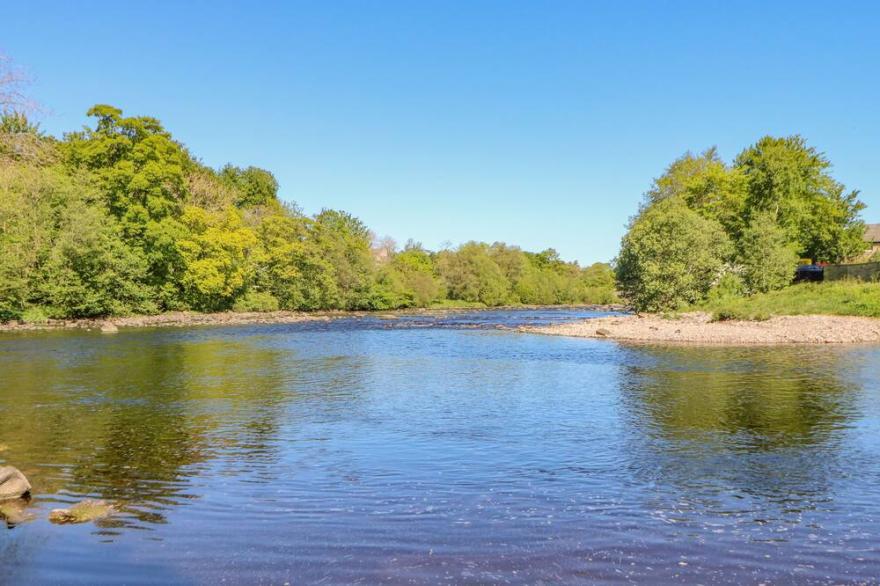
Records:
x=170, y=319
x=698, y=328
x=192, y=318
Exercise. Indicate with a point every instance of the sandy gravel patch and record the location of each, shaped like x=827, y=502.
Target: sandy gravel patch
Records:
x=697, y=328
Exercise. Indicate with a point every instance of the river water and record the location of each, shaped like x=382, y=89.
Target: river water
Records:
x=439, y=449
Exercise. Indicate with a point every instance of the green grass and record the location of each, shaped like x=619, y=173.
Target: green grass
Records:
x=835, y=298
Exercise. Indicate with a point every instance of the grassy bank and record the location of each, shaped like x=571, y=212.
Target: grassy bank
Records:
x=837, y=298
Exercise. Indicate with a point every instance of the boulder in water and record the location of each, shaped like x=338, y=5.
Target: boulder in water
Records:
x=81, y=512
x=13, y=483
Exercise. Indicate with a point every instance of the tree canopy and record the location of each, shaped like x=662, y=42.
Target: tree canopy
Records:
x=775, y=203
x=120, y=218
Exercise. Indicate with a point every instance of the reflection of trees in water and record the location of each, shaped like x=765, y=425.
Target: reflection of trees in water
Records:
x=757, y=420
x=130, y=423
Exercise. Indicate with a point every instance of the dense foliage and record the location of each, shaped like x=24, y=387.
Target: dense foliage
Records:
x=709, y=229
x=120, y=218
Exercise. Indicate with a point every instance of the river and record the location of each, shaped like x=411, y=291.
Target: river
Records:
x=439, y=449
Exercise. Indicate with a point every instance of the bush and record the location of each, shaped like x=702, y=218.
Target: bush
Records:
x=729, y=286
x=767, y=258
x=739, y=314
x=670, y=257
x=34, y=315
x=255, y=301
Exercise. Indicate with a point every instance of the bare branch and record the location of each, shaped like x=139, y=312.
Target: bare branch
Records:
x=13, y=80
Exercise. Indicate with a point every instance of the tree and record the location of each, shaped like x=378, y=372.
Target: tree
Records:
x=139, y=166
x=790, y=180
x=254, y=186
x=707, y=186
x=767, y=258
x=670, y=256
x=292, y=267
x=219, y=255
x=345, y=242
x=470, y=274
x=417, y=270
x=89, y=271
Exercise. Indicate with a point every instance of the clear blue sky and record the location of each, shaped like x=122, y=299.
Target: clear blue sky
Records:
x=540, y=123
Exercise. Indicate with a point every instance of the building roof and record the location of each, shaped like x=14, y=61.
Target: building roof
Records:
x=872, y=233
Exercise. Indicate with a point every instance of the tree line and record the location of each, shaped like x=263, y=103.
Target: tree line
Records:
x=710, y=229
x=120, y=218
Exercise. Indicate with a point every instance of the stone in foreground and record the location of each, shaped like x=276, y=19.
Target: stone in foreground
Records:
x=13, y=483
x=81, y=512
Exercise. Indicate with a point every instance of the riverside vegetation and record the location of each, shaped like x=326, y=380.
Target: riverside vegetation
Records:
x=729, y=236
x=120, y=218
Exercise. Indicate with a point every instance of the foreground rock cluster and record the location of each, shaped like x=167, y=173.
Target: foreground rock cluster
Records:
x=15, y=493
x=698, y=328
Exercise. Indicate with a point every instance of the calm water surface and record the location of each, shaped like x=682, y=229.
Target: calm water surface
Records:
x=439, y=450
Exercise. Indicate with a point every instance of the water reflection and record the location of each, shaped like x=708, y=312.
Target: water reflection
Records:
x=131, y=421
x=733, y=424
x=769, y=399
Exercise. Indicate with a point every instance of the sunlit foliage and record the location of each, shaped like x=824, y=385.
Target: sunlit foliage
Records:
x=120, y=218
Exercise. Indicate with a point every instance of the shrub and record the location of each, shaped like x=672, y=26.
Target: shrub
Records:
x=737, y=313
x=767, y=258
x=255, y=301
x=34, y=315
x=670, y=257
x=729, y=286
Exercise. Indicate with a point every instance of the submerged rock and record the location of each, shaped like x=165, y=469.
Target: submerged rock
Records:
x=81, y=512
x=14, y=512
x=13, y=483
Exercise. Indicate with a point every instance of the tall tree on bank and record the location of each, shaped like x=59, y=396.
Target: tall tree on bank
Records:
x=790, y=180
x=671, y=256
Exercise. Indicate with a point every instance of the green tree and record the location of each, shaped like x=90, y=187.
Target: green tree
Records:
x=345, y=242
x=417, y=270
x=219, y=255
x=790, y=180
x=670, y=257
x=254, y=186
x=292, y=267
x=767, y=258
x=470, y=274
x=89, y=270
x=707, y=186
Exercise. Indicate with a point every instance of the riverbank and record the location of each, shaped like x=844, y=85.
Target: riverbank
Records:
x=844, y=298
x=191, y=318
x=699, y=328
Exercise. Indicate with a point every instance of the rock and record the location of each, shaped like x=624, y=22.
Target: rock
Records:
x=108, y=328
x=14, y=512
x=13, y=483
x=81, y=512
x=603, y=332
